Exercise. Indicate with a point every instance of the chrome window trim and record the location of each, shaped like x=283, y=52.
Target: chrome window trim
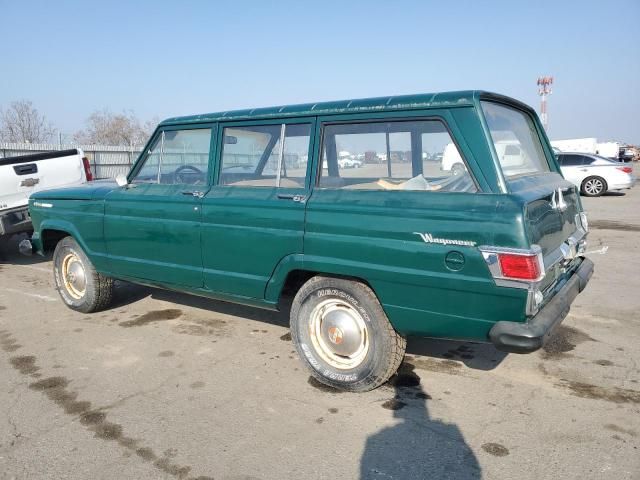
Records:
x=281, y=154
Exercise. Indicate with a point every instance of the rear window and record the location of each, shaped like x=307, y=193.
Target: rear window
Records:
x=515, y=139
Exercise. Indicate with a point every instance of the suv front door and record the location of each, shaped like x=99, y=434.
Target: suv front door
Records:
x=152, y=226
x=254, y=217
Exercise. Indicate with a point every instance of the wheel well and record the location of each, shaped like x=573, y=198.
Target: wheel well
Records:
x=296, y=278
x=50, y=238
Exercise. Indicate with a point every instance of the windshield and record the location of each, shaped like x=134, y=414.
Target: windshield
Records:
x=515, y=139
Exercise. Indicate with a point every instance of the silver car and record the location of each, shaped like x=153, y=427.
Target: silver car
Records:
x=595, y=175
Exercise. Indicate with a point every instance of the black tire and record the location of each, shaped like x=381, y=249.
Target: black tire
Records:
x=98, y=289
x=593, y=186
x=458, y=169
x=385, y=347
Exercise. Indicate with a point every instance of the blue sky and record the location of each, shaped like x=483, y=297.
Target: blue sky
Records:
x=183, y=57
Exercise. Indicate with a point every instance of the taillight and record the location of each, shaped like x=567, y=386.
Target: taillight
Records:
x=514, y=263
x=625, y=169
x=87, y=169
x=521, y=267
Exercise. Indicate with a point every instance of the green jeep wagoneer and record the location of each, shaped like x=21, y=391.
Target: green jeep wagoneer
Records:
x=440, y=215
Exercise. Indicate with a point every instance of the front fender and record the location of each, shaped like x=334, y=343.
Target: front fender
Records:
x=57, y=225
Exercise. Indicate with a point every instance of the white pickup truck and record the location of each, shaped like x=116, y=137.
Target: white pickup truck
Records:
x=21, y=176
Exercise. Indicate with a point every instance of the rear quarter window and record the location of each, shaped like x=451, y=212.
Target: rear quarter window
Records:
x=405, y=155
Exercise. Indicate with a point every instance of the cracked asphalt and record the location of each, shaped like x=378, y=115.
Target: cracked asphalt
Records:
x=168, y=386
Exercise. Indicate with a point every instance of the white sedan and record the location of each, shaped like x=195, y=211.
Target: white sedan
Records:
x=348, y=162
x=595, y=175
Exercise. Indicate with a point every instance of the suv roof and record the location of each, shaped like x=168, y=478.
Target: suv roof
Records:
x=361, y=105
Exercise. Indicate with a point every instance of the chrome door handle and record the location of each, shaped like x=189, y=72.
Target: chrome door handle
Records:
x=291, y=196
x=196, y=193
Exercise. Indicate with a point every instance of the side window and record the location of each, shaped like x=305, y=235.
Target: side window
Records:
x=148, y=173
x=402, y=155
x=571, y=160
x=177, y=157
x=265, y=155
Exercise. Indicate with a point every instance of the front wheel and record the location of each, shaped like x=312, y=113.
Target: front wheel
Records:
x=79, y=285
x=594, y=186
x=343, y=335
x=458, y=169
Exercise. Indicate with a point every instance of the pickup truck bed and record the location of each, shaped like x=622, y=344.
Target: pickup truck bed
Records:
x=23, y=175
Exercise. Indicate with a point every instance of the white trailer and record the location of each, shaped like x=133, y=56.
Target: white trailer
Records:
x=588, y=145
x=609, y=150
x=581, y=145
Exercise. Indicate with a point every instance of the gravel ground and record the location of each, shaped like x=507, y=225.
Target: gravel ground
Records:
x=167, y=386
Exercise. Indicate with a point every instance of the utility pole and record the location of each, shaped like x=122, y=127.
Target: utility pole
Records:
x=544, y=89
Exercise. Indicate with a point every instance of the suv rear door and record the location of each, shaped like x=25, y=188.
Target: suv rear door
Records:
x=253, y=218
x=408, y=223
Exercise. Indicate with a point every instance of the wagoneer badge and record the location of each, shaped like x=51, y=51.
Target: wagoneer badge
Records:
x=428, y=238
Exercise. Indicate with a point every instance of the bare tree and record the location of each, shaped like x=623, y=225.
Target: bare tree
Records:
x=22, y=123
x=106, y=128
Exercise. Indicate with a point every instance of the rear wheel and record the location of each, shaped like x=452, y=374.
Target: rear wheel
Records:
x=343, y=335
x=79, y=285
x=594, y=186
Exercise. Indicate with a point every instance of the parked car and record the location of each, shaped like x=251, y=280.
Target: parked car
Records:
x=24, y=175
x=349, y=163
x=494, y=254
x=595, y=175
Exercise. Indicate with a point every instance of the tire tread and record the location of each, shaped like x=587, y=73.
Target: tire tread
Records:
x=394, y=349
x=101, y=296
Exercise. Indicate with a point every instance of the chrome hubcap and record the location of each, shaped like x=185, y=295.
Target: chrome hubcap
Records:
x=593, y=186
x=73, y=275
x=339, y=334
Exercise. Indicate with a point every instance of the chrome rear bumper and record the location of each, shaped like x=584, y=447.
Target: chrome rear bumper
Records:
x=516, y=337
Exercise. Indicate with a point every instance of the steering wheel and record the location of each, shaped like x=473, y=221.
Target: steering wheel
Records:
x=188, y=174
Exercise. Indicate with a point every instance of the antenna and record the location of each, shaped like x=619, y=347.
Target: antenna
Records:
x=544, y=89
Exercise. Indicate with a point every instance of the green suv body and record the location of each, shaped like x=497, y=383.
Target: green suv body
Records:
x=347, y=204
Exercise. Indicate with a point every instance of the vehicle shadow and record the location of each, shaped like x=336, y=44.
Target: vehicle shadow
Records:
x=479, y=356
x=125, y=293
x=280, y=318
x=417, y=447
x=614, y=194
x=10, y=254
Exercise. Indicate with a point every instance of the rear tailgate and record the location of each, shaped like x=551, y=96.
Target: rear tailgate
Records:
x=551, y=212
x=24, y=175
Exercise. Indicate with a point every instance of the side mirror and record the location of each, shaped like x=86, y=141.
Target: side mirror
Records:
x=121, y=180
